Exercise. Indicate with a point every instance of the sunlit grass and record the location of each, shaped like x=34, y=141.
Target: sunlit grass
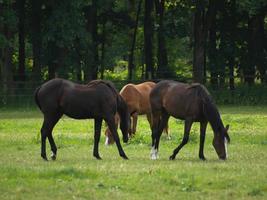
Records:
x=77, y=175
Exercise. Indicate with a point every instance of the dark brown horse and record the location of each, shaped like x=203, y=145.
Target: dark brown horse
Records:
x=136, y=97
x=191, y=103
x=98, y=100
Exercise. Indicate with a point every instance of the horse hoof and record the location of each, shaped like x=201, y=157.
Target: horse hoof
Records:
x=53, y=157
x=44, y=158
x=125, y=157
x=154, y=157
x=202, y=158
x=172, y=157
x=97, y=157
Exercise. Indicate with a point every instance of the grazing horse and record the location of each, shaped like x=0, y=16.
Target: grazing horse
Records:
x=137, y=100
x=98, y=100
x=191, y=103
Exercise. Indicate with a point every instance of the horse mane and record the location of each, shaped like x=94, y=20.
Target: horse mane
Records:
x=210, y=110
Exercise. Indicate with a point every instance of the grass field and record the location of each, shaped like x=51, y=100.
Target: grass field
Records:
x=77, y=175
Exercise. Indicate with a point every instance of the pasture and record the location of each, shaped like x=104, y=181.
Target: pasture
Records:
x=76, y=174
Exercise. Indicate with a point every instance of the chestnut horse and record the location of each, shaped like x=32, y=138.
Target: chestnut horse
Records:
x=98, y=100
x=137, y=100
x=191, y=103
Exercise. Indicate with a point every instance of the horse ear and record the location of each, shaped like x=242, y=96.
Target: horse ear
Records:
x=227, y=127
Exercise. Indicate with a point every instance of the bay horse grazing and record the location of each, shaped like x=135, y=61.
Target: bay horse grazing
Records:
x=136, y=97
x=191, y=103
x=98, y=100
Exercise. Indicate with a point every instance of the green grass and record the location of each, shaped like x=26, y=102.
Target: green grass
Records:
x=77, y=175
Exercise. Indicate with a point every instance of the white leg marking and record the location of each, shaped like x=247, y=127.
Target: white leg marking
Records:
x=52, y=154
x=154, y=153
x=225, y=146
x=106, y=142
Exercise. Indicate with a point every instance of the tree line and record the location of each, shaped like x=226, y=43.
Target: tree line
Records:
x=208, y=41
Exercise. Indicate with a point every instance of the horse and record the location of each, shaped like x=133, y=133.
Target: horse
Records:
x=98, y=100
x=137, y=100
x=191, y=103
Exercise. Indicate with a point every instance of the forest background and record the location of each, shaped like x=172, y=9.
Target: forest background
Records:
x=220, y=43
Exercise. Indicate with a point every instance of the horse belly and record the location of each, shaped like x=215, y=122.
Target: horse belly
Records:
x=78, y=113
x=77, y=110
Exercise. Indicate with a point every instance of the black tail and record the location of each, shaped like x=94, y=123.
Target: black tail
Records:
x=122, y=107
x=36, y=97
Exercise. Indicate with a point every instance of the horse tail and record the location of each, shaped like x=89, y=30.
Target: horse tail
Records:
x=124, y=114
x=36, y=97
x=122, y=108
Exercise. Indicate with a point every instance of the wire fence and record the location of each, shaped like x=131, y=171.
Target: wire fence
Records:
x=21, y=94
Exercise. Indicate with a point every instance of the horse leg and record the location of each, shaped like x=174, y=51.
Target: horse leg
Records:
x=134, y=116
x=155, y=127
x=46, y=132
x=98, y=124
x=43, y=141
x=149, y=119
x=164, y=120
x=187, y=127
x=112, y=128
x=166, y=130
x=203, y=126
x=109, y=137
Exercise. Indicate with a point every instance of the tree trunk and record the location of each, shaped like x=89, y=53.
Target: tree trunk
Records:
x=254, y=45
x=213, y=56
x=95, y=40
x=163, y=70
x=7, y=73
x=7, y=53
x=21, y=29
x=102, y=66
x=131, y=54
x=36, y=38
x=92, y=24
x=52, y=63
x=232, y=37
x=258, y=46
x=199, y=43
x=52, y=70
x=148, y=36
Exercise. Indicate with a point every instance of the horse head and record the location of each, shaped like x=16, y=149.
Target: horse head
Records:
x=220, y=141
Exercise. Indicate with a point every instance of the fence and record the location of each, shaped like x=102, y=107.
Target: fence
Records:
x=21, y=94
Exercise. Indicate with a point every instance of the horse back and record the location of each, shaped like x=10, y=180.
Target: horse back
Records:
x=137, y=97
x=180, y=100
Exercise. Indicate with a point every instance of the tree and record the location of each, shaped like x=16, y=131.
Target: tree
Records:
x=8, y=22
x=148, y=37
x=92, y=27
x=133, y=37
x=21, y=29
x=199, y=42
x=163, y=70
x=212, y=44
x=36, y=37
